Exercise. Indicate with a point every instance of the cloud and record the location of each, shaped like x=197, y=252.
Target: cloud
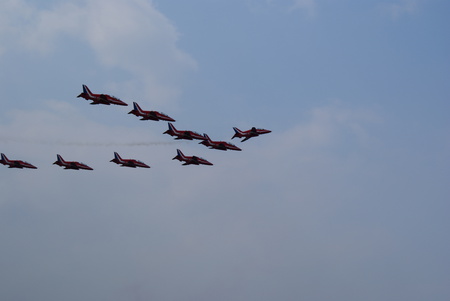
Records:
x=128, y=35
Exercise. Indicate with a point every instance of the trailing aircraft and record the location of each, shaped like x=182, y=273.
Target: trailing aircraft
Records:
x=190, y=159
x=222, y=145
x=128, y=162
x=149, y=115
x=100, y=98
x=188, y=135
x=71, y=164
x=253, y=132
x=15, y=163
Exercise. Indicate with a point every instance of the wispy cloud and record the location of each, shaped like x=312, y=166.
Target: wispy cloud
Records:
x=401, y=7
x=309, y=6
x=306, y=6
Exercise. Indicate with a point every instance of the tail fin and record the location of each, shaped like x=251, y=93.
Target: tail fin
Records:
x=237, y=133
x=117, y=156
x=86, y=90
x=4, y=158
x=207, y=137
x=180, y=156
x=172, y=128
x=60, y=159
x=137, y=107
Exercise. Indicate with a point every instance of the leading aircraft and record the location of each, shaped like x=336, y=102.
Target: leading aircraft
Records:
x=222, y=145
x=190, y=159
x=128, y=162
x=100, y=98
x=188, y=135
x=149, y=115
x=253, y=132
x=71, y=164
x=15, y=163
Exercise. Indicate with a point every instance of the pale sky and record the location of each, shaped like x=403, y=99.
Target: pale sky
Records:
x=347, y=199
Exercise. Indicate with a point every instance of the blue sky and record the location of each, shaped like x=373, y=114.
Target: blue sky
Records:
x=346, y=199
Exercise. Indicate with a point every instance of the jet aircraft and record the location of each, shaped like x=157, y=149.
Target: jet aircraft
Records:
x=100, y=98
x=16, y=163
x=190, y=159
x=149, y=115
x=71, y=164
x=253, y=132
x=222, y=145
x=128, y=162
x=188, y=135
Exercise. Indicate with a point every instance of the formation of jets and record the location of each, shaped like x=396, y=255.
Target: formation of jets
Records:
x=147, y=115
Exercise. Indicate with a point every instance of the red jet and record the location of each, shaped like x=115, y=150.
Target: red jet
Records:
x=71, y=164
x=188, y=135
x=222, y=145
x=253, y=132
x=149, y=115
x=15, y=163
x=190, y=159
x=128, y=162
x=100, y=98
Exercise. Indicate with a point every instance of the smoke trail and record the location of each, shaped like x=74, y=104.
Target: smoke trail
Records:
x=84, y=143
